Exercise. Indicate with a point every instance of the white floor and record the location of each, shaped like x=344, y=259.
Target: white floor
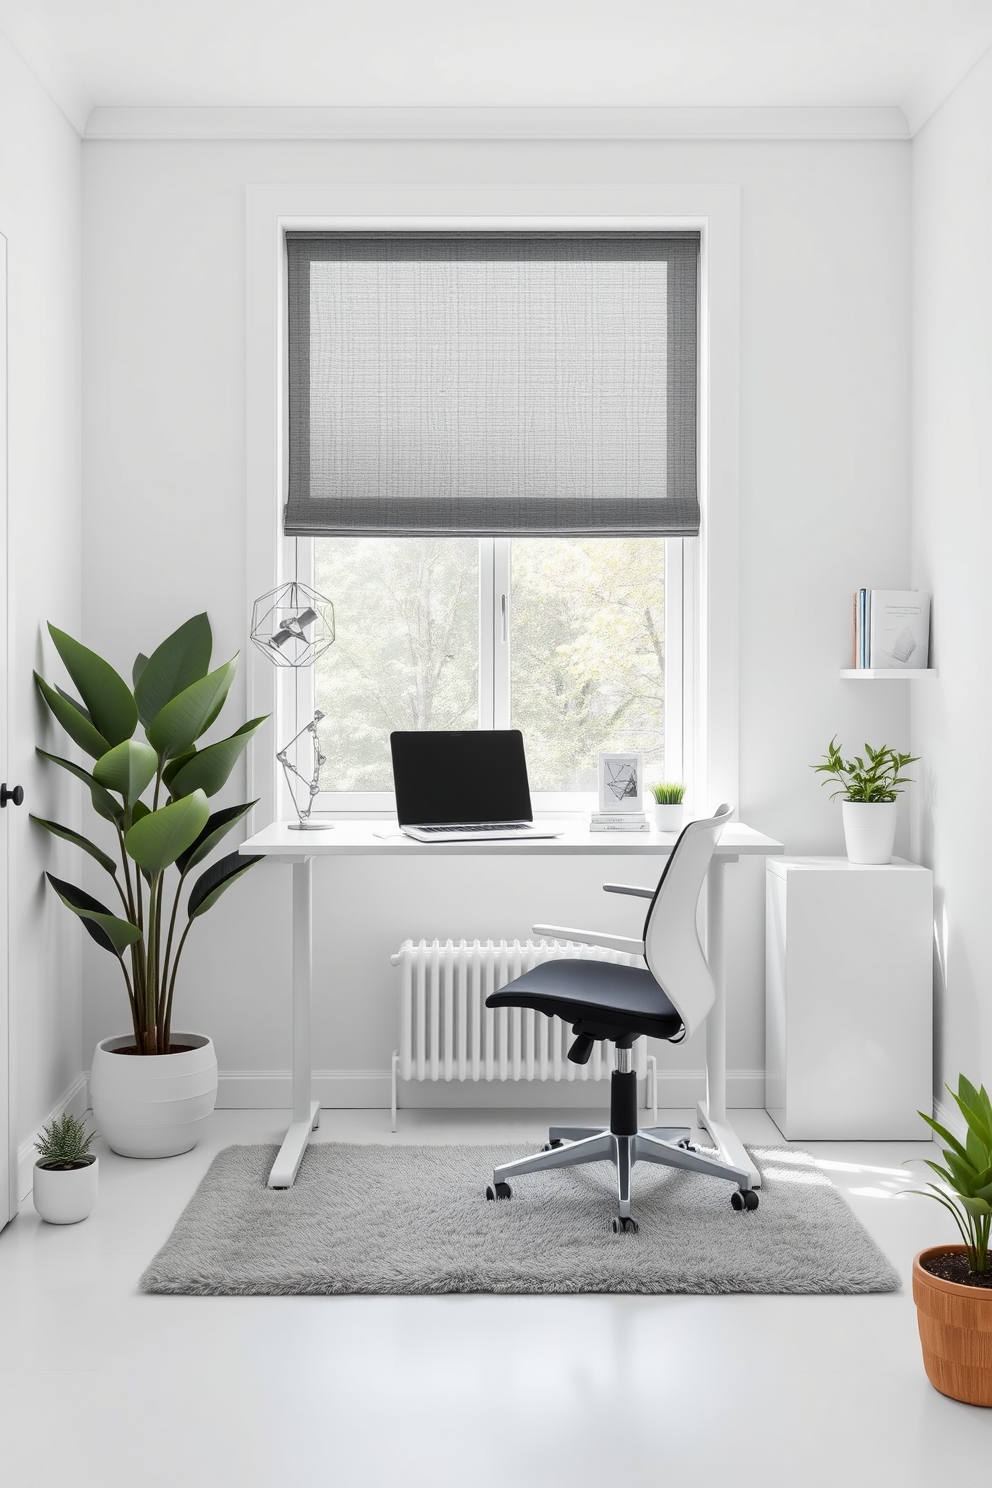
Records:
x=102, y=1387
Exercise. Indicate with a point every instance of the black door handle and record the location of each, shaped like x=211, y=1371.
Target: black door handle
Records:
x=16, y=795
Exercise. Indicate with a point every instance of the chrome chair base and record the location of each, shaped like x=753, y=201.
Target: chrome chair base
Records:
x=668, y=1146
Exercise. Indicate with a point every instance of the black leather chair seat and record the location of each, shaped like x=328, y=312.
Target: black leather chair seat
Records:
x=608, y=1000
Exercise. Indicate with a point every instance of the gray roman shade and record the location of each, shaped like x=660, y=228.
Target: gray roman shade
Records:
x=492, y=384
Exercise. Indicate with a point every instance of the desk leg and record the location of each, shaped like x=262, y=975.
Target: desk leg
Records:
x=712, y=1113
x=306, y=1112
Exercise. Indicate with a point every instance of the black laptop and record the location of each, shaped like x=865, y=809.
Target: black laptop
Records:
x=463, y=785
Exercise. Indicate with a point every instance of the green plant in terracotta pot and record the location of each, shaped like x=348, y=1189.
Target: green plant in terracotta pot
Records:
x=952, y=1284
x=153, y=795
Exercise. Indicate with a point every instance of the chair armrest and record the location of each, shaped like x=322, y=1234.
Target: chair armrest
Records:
x=592, y=937
x=635, y=889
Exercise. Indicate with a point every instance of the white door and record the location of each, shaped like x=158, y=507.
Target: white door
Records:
x=8, y=1164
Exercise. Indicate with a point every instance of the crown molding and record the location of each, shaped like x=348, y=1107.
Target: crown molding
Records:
x=596, y=123
x=27, y=35
x=937, y=84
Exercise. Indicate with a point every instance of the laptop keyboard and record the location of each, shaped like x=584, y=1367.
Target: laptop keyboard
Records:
x=478, y=827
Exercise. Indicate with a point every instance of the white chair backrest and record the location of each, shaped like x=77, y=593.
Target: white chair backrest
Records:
x=672, y=950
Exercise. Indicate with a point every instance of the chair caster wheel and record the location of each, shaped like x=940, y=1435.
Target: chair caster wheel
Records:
x=744, y=1199
x=498, y=1191
x=550, y=1146
x=624, y=1224
x=686, y=1145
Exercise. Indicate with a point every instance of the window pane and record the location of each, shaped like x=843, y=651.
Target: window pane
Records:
x=406, y=654
x=587, y=655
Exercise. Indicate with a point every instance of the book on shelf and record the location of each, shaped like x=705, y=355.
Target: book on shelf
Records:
x=892, y=629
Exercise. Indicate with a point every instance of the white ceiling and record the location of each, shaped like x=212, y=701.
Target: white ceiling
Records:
x=648, y=54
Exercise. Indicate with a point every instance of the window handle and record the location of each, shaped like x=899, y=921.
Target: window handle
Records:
x=502, y=619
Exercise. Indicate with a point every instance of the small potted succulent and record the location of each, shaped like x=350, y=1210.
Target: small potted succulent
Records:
x=66, y=1172
x=669, y=797
x=952, y=1284
x=869, y=787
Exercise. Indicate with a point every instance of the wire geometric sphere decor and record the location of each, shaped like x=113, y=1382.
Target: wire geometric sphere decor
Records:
x=293, y=624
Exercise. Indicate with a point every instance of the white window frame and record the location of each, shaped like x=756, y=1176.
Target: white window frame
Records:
x=705, y=667
x=494, y=677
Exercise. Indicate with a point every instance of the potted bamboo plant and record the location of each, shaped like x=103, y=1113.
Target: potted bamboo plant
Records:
x=66, y=1172
x=952, y=1284
x=153, y=1104
x=870, y=787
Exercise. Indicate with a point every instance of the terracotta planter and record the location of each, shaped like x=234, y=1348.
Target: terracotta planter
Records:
x=153, y=1105
x=955, y=1330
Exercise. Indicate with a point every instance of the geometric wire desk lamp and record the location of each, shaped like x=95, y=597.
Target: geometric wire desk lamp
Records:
x=293, y=625
x=313, y=784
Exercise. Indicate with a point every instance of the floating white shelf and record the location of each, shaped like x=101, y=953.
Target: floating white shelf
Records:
x=886, y=674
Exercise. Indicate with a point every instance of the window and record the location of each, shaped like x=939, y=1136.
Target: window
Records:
x=492, y=443
x=567, y=639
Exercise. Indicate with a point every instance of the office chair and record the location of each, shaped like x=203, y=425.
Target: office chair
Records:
x=668, y=998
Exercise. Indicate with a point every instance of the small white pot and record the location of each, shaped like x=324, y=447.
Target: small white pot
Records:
x=869, y=830
x=668, y=818
x=65, y=1195
x=153, y=1105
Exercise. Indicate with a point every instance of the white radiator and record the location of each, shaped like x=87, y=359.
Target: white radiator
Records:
x=448, y=1033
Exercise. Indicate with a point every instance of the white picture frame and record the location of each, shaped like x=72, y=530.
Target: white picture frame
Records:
x=621, y=782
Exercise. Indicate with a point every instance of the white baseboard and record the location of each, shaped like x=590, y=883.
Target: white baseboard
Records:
x=265, y=1090
x=76, y=1101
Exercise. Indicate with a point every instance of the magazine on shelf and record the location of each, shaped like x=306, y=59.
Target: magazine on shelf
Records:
x=899, y=629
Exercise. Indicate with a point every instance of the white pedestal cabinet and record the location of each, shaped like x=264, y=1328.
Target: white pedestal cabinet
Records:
x=848, y=998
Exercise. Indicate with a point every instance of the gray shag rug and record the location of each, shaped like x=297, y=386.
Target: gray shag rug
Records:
x=407, y=1219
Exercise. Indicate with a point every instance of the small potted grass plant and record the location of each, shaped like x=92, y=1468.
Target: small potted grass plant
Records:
x=869, y=786
x=66, y=1171
x=952, y=1284
x=669, y=798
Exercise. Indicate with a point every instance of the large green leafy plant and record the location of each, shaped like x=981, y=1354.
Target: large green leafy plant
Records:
x=966, y=1172
x=870, y=780
x=176, y=698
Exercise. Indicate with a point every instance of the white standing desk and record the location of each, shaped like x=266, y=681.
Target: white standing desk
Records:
x=375, y=838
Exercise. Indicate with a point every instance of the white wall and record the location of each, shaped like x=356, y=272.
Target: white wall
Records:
x=40, y=216
x=952, y=541
x=824, y=493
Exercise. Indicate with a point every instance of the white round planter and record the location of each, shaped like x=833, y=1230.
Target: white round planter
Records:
x=668, y=818
x=869, y=830
x=153, y=1105
x=65, y=1195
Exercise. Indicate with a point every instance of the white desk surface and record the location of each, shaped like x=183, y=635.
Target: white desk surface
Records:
x=358, y=838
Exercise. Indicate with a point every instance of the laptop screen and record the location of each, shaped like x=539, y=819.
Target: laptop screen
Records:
x=471, y=775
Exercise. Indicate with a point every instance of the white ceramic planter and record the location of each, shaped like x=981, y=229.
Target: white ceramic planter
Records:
x=65, y=1195
x=869, y=830
x=668, y=818
x=153, y=1105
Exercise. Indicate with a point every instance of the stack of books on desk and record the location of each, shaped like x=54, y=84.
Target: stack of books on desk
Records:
x=619, y=821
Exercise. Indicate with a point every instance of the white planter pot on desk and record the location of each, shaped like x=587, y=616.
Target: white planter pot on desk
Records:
x=153, y=1105
x=668, y=818
x=869, y=830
